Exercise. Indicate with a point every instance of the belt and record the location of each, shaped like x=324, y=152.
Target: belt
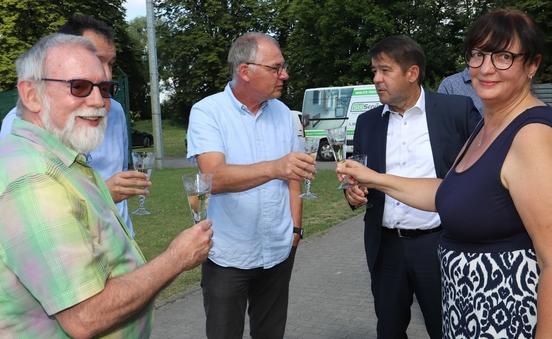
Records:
x=406, y=233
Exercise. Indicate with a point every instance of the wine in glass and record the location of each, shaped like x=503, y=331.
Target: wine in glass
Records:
x=361, y=158
x=311, y=148
x=337, y=137
x=198, y=188
x=143, y=162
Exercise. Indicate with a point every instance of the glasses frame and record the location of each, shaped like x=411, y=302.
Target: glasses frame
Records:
x=491, y=54
x=277, y=69
x=106, y=95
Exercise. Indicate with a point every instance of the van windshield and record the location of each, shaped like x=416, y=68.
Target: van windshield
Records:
x=326, y=107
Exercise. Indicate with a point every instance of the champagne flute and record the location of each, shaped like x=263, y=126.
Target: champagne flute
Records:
x=311, y=148
x=143, y=162
x=198, y=188
x=337, y=138
x=360, y=158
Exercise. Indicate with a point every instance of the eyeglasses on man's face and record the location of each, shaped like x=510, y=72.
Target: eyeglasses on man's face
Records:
x=82, y=88
x=502, y=60
x=278, y=69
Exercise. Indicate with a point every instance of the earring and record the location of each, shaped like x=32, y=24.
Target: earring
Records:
x=530, y=76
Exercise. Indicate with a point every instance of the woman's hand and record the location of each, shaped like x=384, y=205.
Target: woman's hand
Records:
x=355, y=173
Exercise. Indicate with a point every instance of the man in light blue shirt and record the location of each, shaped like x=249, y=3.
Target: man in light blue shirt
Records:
x=247, y=139
x=460, y=84
x=110, y=159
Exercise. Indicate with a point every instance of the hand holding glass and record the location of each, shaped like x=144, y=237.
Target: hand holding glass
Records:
x=337, y=138
x=143, y=162
x=198, y=189
x=360, y=158
x=311, y=148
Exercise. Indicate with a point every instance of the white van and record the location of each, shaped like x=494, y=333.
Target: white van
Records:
x=298, y=119
x=331, y=107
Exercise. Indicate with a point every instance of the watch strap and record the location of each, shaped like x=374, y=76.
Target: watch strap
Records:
x=298, y=230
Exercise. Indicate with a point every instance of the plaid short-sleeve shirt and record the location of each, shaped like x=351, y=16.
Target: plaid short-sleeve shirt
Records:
x=61, y=236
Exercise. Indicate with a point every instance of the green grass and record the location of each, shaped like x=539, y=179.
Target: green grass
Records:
x=170, y=215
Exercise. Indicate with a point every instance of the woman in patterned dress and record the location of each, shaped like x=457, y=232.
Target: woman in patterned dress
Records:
x=496, y=202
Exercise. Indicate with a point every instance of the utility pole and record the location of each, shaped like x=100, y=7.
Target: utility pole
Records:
x=154, y=86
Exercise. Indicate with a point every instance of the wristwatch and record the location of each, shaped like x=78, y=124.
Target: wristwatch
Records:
x=298, y=230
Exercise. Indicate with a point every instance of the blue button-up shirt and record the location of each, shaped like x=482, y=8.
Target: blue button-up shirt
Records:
x=460, y=83
x=252, y=228
x=112, y=154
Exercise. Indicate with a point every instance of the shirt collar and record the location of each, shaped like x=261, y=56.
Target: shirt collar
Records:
x=466, y=75
x=419, y=106
x=238, y=105
x=40, y=136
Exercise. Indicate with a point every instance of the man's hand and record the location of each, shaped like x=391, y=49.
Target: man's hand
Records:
x=294, y=166
x=123, y=185
x=192, y=245
x=356, y=195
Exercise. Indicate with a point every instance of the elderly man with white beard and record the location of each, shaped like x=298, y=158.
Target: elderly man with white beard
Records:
x=68, y=267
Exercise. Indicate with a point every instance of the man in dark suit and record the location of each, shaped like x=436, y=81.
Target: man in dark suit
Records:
x=415, y=133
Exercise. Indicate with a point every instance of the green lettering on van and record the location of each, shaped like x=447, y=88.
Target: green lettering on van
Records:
x=364, y=91
x=360, y=106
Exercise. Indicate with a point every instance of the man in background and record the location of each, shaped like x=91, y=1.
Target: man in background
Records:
x=110, y=158
x=68, y=265
x=460, y=84
x=415, y=133
x=248, y=140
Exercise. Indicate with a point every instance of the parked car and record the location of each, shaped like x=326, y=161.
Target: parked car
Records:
x=141, y=139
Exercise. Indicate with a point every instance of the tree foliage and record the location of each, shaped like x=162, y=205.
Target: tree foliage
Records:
x=194, y=38
x=22, y=23
x=325, y=42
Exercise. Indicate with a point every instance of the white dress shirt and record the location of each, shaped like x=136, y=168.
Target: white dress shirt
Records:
x=409, y=154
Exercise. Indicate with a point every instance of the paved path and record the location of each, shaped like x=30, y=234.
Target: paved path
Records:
x=329, y=298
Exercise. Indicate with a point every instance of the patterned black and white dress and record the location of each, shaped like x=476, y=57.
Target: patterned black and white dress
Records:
x=489, y=270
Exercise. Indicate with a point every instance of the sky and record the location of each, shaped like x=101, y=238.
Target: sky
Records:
x=135, y=8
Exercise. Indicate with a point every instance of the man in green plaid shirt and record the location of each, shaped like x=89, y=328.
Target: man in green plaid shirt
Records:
x=68, y=267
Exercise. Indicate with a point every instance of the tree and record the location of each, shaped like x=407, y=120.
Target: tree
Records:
x=328, y=43
x=17, y=34
x=194, y=38
x=25, y=22
x=138, y=69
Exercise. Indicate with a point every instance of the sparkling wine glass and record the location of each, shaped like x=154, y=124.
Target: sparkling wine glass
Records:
x=311, y=148
x=337, y=137
x=361, y=158
x=143, y=162
x=198, y=188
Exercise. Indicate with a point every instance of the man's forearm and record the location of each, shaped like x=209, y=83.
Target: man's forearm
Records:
x=128, y=294
x=122, y=297
x=238, y=178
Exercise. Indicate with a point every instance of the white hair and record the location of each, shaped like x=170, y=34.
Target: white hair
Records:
x=30, y=65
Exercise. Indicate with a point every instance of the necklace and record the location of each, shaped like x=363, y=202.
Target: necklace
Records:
x=480, y=139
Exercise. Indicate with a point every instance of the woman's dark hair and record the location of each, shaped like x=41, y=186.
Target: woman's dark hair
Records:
x=496, y=30
x=403, y=50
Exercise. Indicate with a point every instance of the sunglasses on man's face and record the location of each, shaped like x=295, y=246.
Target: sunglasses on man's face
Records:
x=82, y=88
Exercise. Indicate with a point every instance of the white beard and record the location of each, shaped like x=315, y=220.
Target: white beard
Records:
x=82, y=138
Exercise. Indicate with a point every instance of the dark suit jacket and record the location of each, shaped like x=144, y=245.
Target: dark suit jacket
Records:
x=450, y=121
